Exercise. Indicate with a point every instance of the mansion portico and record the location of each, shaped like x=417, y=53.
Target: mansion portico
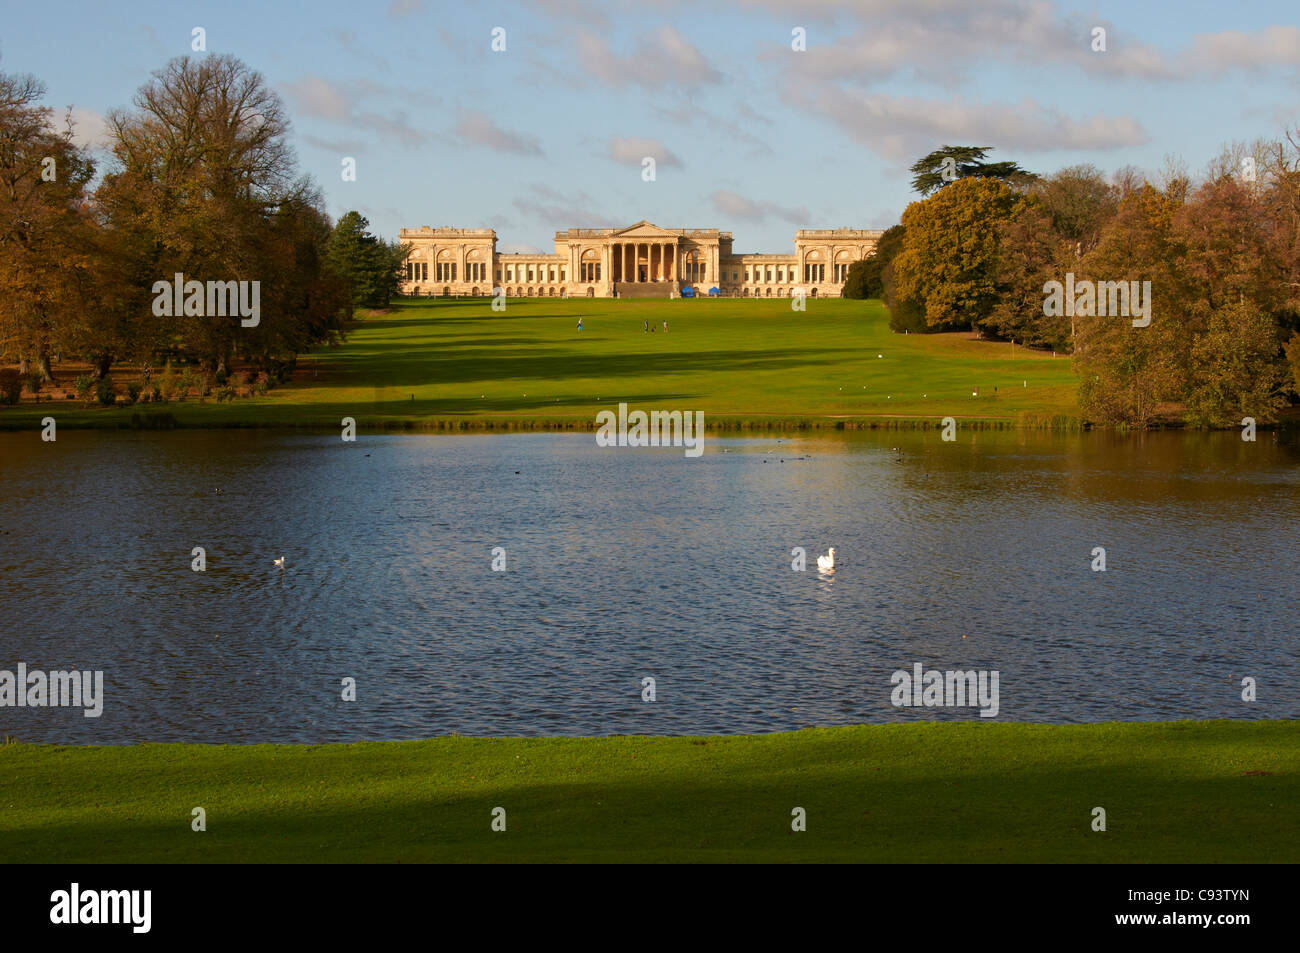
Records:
x=640, y=261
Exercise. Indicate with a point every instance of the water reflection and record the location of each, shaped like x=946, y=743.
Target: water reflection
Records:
x=624, y=564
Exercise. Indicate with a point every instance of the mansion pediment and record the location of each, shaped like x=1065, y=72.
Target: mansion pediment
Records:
x=644, y=229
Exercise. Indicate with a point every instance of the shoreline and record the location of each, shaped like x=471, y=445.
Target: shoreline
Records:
x=718, y=424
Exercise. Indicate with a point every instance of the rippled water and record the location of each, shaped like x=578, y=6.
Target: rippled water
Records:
x=624, y=564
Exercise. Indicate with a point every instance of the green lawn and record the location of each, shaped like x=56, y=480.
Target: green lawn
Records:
x=430, y=361
x=1221, y=791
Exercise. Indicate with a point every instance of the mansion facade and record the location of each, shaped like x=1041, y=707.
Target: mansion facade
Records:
x=639, y=261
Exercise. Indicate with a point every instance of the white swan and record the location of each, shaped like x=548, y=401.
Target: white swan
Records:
x=280, y=562
x=827, y=563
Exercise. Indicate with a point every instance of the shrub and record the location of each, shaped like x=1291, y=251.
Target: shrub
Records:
x=84, y=384
x=222, y=377
x=204, y=385
x=226, y=392
x=104, y=392
x=157, y=393
x=261, y=387
x=11, y=385
x=33, y=382
x=187, y=381
x=162, y=421
x=132, y=393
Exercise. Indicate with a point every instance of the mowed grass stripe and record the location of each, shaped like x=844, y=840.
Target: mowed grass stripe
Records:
x=1173, y=792
x=429, y=360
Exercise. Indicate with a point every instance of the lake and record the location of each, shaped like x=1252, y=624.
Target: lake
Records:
x=624, y=564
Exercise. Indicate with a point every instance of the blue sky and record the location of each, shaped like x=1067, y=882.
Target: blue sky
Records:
x=749, y=135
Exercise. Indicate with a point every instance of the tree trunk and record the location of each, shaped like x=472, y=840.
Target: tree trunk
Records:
x=103, y=361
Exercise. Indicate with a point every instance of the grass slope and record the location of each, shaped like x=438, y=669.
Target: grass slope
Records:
x=431, y=361
x=1173, y=792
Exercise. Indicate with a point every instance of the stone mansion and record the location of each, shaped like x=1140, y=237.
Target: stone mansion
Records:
x=639, y=261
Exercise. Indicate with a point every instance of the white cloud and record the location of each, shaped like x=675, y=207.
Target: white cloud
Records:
x=89, y=129
x=900, y=126
x=320, y=98
x=939, y=41
x=736, y=206
x=1272, y=46
x=562, y=210
x=478, y=129
x=666, y=58
x=631, y=151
